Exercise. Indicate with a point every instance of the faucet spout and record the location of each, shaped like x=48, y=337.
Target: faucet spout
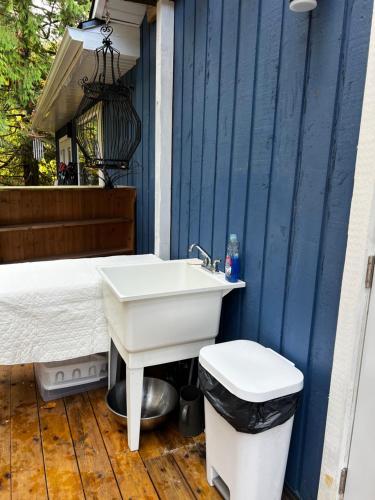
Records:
x=200, y=250
x=207, y=260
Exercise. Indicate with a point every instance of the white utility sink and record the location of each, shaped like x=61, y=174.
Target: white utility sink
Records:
x=157, y=313
x=168, y=303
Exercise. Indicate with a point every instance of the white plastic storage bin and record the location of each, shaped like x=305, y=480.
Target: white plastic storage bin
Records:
x=246, y=379
x=64, y=378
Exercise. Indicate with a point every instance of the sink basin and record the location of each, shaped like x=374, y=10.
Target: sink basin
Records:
x=162, y=304
x=162, y=279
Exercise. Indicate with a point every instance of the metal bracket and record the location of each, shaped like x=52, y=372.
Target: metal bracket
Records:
x=342, y=484
x=370, y=271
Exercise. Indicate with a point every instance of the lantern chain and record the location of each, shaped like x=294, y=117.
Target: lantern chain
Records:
x=107, y=16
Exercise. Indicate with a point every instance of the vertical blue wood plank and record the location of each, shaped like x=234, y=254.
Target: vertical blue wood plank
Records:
x=240, y=166
x=138, y=175
x=210, y=127
x=178, y=111
x=142, y=79
x=151, y=153
x=187, y=126
x=225, y=132
x=145, y=133
x=198, y=118
x=265, y=100
x=227, y=98
x=245, y=81
x=293, y=62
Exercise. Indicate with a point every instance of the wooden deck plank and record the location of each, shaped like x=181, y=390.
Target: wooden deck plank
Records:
x=132, y=477
x=168, y=479
x=191, y=460
x=28, y=479
x=170, y=436
x=96, y=472
x=150, y=446
x=162, y=441
x=5, y=467
x=200, y=439
x=62, y=473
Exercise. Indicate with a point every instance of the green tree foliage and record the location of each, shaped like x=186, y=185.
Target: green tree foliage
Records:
x=30, y=32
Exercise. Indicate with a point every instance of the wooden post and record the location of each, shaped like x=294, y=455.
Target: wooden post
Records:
x=163, y=125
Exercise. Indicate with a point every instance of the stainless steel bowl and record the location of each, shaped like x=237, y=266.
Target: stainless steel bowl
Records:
x=159, y=398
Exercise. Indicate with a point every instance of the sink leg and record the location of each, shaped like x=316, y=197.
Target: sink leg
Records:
x=114, y=365
x=134, y=386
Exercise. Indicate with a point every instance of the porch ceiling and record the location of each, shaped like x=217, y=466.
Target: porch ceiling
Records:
x=75, y=58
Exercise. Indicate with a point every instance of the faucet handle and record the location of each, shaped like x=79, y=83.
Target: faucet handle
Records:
x=215, y=265
x=206, y=262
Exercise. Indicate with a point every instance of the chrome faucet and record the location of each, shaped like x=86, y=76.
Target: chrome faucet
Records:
x=207, y=263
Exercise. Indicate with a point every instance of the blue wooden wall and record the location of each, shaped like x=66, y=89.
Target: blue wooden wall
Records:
x=142, y=79
x=267, y=107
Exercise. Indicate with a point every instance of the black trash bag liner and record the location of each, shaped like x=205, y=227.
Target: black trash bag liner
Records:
x=245, y=416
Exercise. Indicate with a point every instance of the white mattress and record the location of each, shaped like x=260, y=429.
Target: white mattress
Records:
x=53, y=310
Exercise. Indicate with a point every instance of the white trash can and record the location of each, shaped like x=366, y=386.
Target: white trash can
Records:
x=251, y=394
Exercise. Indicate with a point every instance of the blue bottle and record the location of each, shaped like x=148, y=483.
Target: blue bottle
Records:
x=232, y=259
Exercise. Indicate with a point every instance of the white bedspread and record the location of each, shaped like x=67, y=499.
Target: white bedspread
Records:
x=53, y=310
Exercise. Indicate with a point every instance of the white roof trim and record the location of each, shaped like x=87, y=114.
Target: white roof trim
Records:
x=66, y=57
x=74, y=59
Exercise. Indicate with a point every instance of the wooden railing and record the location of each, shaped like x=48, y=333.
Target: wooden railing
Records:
x=65, y=222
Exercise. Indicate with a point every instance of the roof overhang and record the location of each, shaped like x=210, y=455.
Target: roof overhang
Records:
x=75, y=59
x=130, y=13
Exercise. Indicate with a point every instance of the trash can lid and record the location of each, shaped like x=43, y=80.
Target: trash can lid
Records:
x=251, y=371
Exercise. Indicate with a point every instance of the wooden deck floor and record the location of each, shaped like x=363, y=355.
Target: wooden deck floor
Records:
x=73, y=449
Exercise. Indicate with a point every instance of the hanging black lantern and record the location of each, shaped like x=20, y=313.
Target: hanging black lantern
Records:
x=107, y=125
